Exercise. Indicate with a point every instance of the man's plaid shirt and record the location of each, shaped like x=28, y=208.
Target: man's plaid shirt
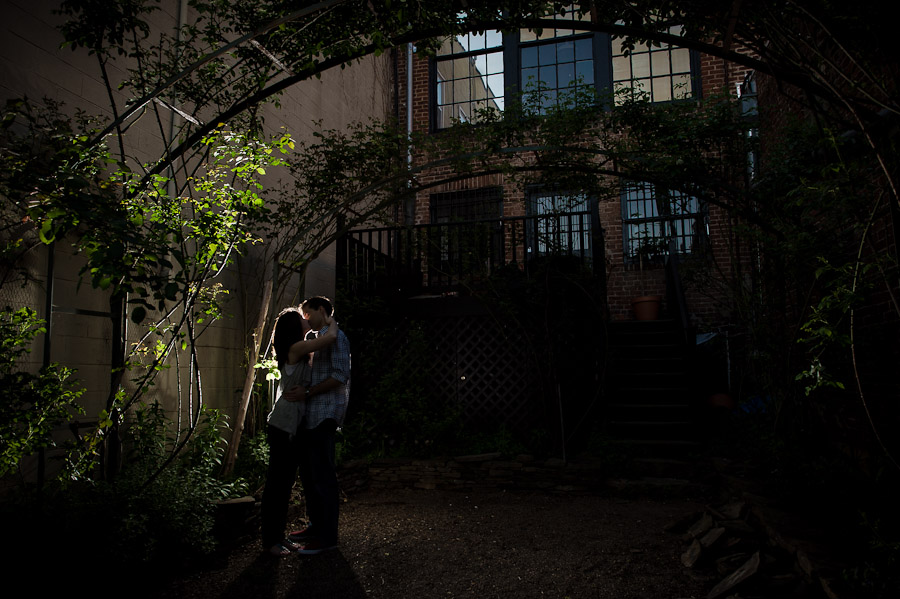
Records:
x=331, y=362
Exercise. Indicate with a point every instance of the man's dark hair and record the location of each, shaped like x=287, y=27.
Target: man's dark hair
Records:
x=316, y=302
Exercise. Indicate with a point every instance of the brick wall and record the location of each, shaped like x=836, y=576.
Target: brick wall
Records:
x=625, y=281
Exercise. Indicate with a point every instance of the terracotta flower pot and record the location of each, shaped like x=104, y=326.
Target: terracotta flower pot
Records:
x=646, y=307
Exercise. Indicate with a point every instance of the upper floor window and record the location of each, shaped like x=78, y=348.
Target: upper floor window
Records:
x=652, y=216
x=663, y=72
x=556, y=71
x=468, y=77
x=474, y=72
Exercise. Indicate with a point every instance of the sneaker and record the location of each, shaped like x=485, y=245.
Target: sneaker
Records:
x=283, y=549
x=315, y=547
x=307, y=534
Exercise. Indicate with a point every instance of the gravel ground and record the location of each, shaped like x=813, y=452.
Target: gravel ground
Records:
x=416, y=543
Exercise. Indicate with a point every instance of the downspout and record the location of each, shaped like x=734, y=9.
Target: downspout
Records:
x=173, y=190
x=410, y=202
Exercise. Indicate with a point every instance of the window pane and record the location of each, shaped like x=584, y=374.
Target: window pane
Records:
x=495, y=86
x=640, y=66
x=529, y=57
x=565, y=51
x=566, y=74
x=681, y=60
x=585, y=72
x=548, y=76
x=682, y=86
x=444, y=117
x=529, y=77
x=445, y=92
x=476, y=41
x=583, y=49
x=549, y=99
x=547, y=54
x=480, y=64
x=494, y=39
x=495, y=63
x=460, y=68
x=659, y=62
x=662, y=89
x=621, y=68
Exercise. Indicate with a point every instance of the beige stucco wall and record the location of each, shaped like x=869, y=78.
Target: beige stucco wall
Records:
x=32, y=64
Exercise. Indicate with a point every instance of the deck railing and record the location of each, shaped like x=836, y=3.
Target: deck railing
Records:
x=437, y=258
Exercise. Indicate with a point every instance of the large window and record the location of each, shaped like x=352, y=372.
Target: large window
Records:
x=663, y=72
x=563, y=224
x=557, y=65
x=468, y=77
x=652, y=216
x=468, y=220
x=474, y=72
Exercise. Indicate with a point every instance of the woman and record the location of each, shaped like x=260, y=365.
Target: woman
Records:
x=292, y=353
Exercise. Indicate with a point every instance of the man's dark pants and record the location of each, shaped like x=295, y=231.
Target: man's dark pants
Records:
x=320, y=485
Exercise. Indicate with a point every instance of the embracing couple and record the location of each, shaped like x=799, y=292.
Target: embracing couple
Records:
x=313, y=357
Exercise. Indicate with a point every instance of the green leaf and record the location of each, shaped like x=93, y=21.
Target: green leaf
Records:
x=45, y=233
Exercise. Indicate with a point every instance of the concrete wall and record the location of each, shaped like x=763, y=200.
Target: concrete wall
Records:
x=32, y=64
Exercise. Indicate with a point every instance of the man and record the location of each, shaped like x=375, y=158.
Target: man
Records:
x=326, y=405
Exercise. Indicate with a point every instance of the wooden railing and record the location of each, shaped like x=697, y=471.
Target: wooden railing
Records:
x=437, y=258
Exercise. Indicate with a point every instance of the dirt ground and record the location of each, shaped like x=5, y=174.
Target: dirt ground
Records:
x=416, y=543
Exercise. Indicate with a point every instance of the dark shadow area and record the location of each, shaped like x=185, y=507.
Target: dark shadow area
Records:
x=325, y=575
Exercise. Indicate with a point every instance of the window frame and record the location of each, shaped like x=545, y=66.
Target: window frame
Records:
x=665, y=219
x=694, y=72
x=601, y=52
x=582, y=237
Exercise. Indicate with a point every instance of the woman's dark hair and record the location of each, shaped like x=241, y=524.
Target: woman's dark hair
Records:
x=289, y=330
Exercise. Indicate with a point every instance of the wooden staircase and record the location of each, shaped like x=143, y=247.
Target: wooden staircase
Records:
x=651, y=403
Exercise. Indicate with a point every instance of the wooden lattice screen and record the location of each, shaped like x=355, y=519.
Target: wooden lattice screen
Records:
x=485, y=369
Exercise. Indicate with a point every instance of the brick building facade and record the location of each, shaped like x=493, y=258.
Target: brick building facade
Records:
x=625, y=278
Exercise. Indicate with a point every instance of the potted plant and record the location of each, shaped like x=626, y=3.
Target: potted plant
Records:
x=647, y=306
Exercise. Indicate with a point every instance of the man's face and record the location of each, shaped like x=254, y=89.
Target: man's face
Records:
x=316, y=318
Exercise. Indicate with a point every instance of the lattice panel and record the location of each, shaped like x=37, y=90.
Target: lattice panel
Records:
x=488, y=371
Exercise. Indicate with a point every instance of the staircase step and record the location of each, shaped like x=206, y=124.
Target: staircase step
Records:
x=676, y=430
x=649, y=411
x=648, y=380
x=659, y=447
x=650, y=396
x=661, y=362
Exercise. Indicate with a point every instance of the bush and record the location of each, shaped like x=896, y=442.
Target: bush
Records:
x=159, y=510
x=31, y=405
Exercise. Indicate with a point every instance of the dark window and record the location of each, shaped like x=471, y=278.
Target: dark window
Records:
x=563, y=222
x=466, y=233
x=467, y=205
x=652, y=216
